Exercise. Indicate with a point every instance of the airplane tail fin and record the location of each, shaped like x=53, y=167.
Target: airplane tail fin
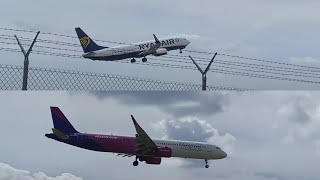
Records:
x=88, y=45
x=60, y=122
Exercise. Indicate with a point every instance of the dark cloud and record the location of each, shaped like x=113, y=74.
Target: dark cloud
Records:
x=178, y=104
x=299, y=112
x=270, y=175
x=299, y=118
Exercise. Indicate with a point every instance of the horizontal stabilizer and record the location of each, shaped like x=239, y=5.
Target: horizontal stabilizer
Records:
x=59, y=134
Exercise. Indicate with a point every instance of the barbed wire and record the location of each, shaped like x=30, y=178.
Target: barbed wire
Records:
x=176, y=66
x=230, y=63
x=221, y=66
x=57, y=79
x=224, y=62
x=267, y=61
x=60, y=35
x=192, y=51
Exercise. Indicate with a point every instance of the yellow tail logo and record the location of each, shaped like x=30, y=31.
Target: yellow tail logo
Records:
x=85, y=41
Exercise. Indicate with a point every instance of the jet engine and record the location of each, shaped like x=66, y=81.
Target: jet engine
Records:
x=163, y=152
x=153, y=160
x=160, y=52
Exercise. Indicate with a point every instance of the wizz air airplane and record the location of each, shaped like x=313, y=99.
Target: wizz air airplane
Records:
x=136, y=50
x=141, y=146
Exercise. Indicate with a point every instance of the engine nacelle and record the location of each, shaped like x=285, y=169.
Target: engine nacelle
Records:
x=160, y=52
x=163, y=152
x=153, y=160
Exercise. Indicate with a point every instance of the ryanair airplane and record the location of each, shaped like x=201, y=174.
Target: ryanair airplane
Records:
x=158, y=47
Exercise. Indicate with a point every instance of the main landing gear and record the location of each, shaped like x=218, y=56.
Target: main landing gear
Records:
x=135, y=163
x=207, y=165
x=180, y=51
x=144, y=59
x=133, y=60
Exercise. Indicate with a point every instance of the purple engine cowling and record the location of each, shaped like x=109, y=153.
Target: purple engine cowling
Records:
x=153, y=160
x=163, y=152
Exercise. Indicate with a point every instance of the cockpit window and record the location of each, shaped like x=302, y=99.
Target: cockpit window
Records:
x=218, y=148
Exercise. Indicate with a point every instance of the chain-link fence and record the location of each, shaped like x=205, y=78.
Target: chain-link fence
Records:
x=56, y=79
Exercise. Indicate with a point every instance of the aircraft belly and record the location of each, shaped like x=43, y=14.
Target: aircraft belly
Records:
x=170, y=48
x=134, y=54
x=116, y=57
x=190, y=154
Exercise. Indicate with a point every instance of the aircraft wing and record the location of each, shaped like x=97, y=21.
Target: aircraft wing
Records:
x=145, y=143
x=157, y=45
x=153, y=48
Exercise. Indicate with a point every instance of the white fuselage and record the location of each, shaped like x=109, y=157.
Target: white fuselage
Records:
x=194, y=150
x=136, y=50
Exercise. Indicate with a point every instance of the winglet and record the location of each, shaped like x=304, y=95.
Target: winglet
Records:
x=146, y=145
x=156, y=39
x=136, y=125
x=134, y=121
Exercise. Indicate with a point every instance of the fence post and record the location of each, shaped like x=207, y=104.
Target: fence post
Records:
x=26, y=61
x=204, y=73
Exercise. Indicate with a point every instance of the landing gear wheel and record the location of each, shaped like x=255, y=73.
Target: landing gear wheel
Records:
x=180, y=51
x=144, y=59
x=135, y=163
x=133, y=60
x=207, y=166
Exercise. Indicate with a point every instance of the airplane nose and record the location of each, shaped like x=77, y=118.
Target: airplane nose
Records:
x=188, y=42
x=223, y=154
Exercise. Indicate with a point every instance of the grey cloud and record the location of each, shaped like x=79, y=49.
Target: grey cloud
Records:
x=178, y=104
x=300, y=117
x=194, y=129
x=10, y=173
x=299, y=112
x=252, y=114
x=270, y=175
x=188, y=130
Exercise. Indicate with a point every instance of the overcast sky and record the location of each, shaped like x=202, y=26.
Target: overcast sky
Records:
x=267, y=135
x=284, y=31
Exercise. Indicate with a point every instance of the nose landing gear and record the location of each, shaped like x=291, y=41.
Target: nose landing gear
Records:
x=180, y=51
x=207, y=165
